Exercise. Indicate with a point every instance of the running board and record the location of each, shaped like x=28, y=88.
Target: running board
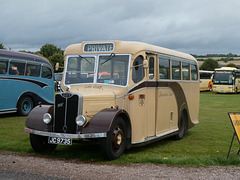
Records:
x=152, y=139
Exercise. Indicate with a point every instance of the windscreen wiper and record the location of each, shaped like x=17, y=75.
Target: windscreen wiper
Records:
x=109, y=58
x=85, y=59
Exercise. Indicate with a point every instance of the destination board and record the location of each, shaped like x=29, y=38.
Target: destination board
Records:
x=99, y=47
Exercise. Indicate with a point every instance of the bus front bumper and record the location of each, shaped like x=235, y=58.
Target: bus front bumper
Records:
x=65, y=135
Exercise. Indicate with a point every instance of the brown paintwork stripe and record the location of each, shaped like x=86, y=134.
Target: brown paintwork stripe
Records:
x=175, y=86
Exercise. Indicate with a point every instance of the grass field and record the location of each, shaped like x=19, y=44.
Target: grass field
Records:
x=206, y=144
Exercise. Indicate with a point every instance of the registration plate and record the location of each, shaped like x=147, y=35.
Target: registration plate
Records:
x=59, y=140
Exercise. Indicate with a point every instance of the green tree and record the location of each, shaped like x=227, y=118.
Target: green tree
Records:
x=209, y=64
x=48, y=50
x=231, y=65
x=2, y=46
x=57, y=58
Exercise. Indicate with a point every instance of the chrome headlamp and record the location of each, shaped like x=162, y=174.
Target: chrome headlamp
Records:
x=80, y=120
x=47, y=118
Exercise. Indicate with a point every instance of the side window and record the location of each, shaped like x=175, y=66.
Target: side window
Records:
x=185, y=71
x=175, y=70
x=3, y=66
x=194, y=73
x=138, y=70
x=164, y=68
x=46, y=72
x=33, y=70
x=205, y=75
x=17, y=68
x=151, y=68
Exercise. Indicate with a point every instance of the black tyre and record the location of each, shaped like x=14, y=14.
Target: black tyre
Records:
x=183, y=127
x=114, y=145
x=210, y=89
x=25, y=105
x=40, y=143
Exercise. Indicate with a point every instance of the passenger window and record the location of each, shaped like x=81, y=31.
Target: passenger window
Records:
x=194, y=73
x=138, y=70
x=151, y=68
x=164, y=68
x=33, y=70
x=46, y=72
x=185, y=71
x=17, y=68
x=176, y=70
x=3, y=66
x=205, y=75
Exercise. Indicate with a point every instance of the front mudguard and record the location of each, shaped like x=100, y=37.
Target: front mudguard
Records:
x=35, y=118
x=103, y=120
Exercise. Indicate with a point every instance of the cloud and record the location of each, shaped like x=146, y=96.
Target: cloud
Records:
x=197, y=27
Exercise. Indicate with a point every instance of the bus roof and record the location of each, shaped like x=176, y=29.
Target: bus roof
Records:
x=24, y=56
x=128, y=47
x=226, y=68
x=205, y=71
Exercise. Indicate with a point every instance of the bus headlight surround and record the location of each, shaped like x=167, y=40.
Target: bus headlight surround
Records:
x=80, y=120
x=47, y=118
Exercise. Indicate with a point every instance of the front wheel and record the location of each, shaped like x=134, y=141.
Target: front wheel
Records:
x=25, y=105
x=114, y=145
x=40, y=143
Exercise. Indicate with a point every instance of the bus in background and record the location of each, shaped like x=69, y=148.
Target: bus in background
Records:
x=206, y=80
x=25, y=80
x=120, y=94
x=226, y=80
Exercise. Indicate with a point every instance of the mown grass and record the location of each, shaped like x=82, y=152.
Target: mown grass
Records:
x=206, y=144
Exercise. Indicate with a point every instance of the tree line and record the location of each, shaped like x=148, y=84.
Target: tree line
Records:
x=49, y=51
x=219, y=57
x=215, y=55
x=210, y=64
x=55, y=54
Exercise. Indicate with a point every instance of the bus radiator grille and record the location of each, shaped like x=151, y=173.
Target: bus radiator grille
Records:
x=66, y=111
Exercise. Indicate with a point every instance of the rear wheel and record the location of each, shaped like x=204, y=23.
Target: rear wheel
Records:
x=114, y=145
x=210, y=89
x=40, y=143
x=183, y=129
x=25, y=105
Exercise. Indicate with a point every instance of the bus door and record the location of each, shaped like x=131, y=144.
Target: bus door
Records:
x=151, y=95
x=237, y=81
x=166, y=103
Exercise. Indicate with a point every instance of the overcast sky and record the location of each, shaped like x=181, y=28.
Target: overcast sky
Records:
x=192, y=26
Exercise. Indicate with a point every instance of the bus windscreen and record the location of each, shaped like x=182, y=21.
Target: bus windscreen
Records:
x=223, y=78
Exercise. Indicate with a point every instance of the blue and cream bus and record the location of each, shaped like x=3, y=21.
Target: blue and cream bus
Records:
x=25, y=80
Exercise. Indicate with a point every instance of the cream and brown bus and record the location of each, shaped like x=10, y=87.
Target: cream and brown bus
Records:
x=206, y=80
x=121, y=94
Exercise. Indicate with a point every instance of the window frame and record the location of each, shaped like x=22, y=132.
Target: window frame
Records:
x=46, y=66
x=197, y=72
x=135, y=68
x=178, y=61
x=6, y=68
x=188, y=70
x=168, y=68
x=32, y=64
x=17, y=70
